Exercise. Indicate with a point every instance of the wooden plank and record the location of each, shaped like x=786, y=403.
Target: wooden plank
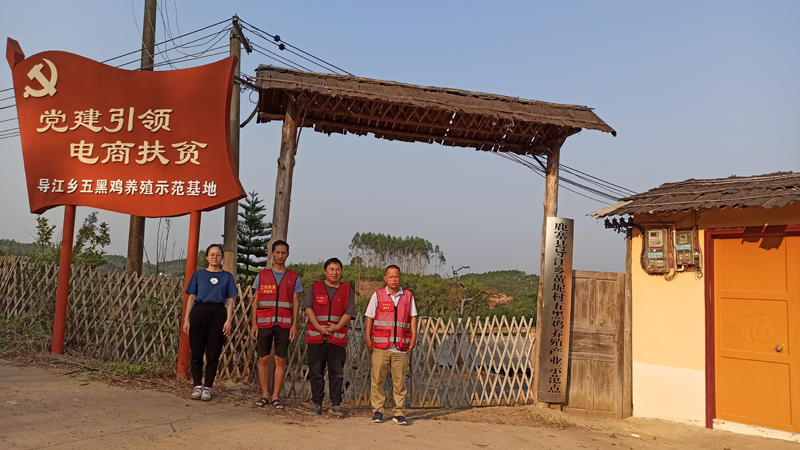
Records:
x=627, y=325
x=604, y=386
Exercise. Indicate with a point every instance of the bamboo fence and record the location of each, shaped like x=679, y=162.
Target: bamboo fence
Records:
x=136, y=319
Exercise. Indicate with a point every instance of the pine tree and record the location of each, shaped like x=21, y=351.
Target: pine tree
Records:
x=254, y=234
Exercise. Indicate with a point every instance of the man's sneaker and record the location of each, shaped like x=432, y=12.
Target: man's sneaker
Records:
x=197, y=392
x=377, y=417
x=336, y=410
x=206, y=396
x=317, y=409
x=400, y=420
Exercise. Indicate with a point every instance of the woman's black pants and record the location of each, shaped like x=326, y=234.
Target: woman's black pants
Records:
x=205, y=338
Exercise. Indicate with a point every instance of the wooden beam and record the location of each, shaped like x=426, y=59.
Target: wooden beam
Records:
x=283, y=181
x=550, y=210
x=483, y=143
x=494, y=128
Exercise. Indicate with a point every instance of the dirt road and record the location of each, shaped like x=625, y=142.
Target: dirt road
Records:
x=41, y=409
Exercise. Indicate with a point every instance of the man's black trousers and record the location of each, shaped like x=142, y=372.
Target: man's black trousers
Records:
x=205, y=337
x=332, y=356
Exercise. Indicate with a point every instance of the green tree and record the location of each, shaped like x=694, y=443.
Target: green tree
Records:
x=89, y=248
x=45, y=251
x=253, y=239
x=412, y=254
x=87, y=251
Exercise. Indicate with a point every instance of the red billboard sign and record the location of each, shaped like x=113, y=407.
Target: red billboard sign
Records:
x=152, y=144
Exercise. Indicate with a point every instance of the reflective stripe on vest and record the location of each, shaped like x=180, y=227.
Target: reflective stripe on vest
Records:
x=268, y=304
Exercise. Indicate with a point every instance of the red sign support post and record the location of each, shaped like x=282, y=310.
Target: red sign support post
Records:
x=64, y=268
x=191, y=266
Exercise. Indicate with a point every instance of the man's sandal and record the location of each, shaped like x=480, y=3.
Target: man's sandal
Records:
x=262, y=402
x=277, y=404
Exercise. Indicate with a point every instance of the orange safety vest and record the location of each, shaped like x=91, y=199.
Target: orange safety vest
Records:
x=274, y=300
x=392, y=325
x=329, y=311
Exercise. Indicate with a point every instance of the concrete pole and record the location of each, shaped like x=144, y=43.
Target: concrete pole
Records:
x=135, y=260
x=232, y=210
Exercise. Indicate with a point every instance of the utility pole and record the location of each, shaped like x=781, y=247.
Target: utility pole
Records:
x=230, y=233
x=135, y=260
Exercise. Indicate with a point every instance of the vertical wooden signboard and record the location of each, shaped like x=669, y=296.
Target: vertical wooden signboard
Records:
x=556, y=310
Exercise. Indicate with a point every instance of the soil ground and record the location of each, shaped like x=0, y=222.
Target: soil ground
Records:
x=54, y=408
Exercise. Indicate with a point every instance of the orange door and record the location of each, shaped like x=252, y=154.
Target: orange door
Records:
x=756, y=299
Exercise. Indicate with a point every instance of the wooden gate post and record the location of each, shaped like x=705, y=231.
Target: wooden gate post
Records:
x=550, y=210
x=283, y=181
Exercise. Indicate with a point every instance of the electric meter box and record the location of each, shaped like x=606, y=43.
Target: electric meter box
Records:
x=684, y=248
x=656, y=252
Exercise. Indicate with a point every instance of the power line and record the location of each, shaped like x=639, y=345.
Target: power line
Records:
x=8, y=120
x=275, y=39
x=539, y=170
x=209, y=37
x=630, y=192
x=606, y=192
x=168, y=40
x=277, y=57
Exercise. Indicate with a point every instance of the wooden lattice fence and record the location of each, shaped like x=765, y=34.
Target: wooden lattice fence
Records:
x=135, y=319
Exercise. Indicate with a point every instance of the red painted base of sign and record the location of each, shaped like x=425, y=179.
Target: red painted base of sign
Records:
x=64, y=268
x=191, y=266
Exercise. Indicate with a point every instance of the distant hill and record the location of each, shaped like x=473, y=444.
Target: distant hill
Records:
x=176, y=268
x=20, y=249
x=508, y=281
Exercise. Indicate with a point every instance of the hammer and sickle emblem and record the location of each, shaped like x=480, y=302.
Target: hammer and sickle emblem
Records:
x=48, y=86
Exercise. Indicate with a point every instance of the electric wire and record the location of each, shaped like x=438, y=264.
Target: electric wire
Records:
x=277, y=57
x=160, y=43
x=274, y=40
x=194, y=58
x=602, y=193
x=7, y=98
x=515, y=158
x=208, y=38
x=622, y=189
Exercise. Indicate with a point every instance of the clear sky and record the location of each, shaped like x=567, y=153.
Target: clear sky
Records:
x=694, y=90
